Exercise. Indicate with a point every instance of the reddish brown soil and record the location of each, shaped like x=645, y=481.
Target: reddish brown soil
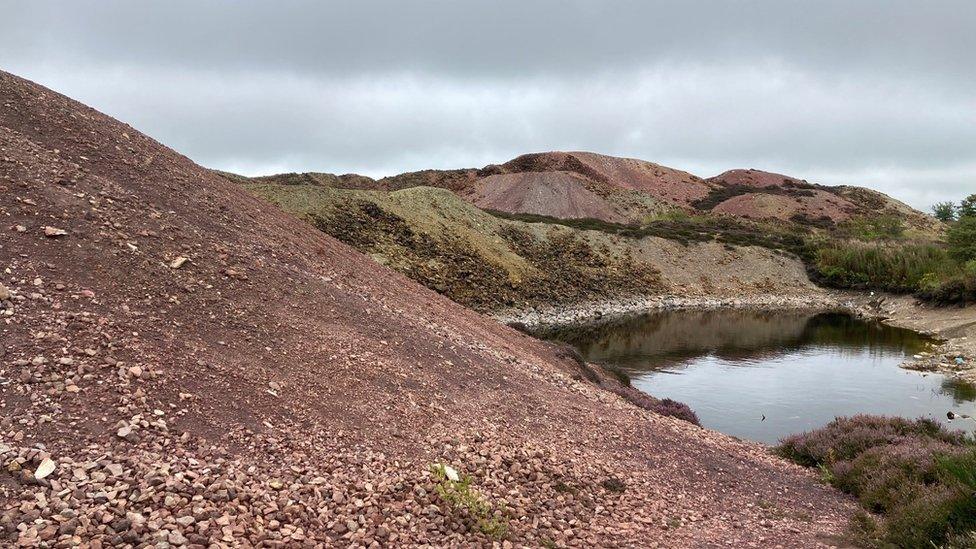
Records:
x=556, y=194
x=778, y=196
x=277, y=388
x=660, y=182
x=753, y=178
x=784, y=207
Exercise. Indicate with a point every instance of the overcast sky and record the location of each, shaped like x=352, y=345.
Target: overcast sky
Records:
x=880, y=93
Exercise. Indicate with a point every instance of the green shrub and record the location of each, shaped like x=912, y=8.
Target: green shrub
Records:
x=944, y=211
x=967, y=207
x=961, y=238
x=898, y=268
x=947, y=289
x=877, y=227
x=929, y=520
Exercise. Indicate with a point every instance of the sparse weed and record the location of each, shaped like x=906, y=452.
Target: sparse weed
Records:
x=456, y=491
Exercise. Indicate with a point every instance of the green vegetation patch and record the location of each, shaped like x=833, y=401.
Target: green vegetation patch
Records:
x=873, y=259
x=684, y=229
x=873, y=227
x=898, y=268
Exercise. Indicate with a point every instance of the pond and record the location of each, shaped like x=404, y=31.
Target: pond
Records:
x=764, y=375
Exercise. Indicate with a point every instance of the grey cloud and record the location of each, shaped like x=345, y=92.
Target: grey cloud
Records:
x=877, y=93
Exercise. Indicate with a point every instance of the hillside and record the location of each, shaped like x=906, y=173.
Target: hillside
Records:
x=756, y=194
x=581, y=185
x=185, y=364
x=491, y=263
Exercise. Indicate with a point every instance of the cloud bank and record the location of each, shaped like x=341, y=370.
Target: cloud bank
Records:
x=875, y=93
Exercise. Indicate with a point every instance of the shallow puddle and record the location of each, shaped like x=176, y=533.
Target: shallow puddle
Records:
x=764, y=375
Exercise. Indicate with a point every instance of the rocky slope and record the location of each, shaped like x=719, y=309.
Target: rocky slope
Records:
x=491, y=263
x=185, y=365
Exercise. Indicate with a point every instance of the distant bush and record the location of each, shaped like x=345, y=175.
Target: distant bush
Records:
x=918, y=476
x=957, y=288
x=876, y=227
x=675, y=214
x=898, y=268
x=961, y=238
x=967, y=207
x=944, y=211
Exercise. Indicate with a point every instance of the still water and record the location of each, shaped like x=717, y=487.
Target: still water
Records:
x=796, y=370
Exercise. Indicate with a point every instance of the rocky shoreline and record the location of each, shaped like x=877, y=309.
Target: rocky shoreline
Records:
x=598, y=311
x=954, y=330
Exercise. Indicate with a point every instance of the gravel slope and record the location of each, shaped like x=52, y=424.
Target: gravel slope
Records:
x=185, y=365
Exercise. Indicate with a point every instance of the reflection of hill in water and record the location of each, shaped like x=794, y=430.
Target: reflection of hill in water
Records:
x=675, y=336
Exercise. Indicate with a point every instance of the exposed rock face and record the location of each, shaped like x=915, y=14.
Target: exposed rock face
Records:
x=149, y=386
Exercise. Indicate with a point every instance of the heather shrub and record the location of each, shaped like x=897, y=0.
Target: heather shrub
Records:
x=847, y=437
x=918, y=476
x=673, y=408
x=883, y=476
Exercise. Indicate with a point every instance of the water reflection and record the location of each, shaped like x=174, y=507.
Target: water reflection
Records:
x=798, y=370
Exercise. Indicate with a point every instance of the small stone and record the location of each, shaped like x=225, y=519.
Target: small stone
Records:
x=45, y=468
x=186, y=521
x=4, y=293
x=451, y=473
x=128, y=433
x=135, y=371
x=178, y=262
x=48, y=533
x=54, y=232
x=177, y=538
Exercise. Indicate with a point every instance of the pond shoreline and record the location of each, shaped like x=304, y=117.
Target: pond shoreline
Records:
x=748, y=372
x=954, y=328
x=599, y=311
